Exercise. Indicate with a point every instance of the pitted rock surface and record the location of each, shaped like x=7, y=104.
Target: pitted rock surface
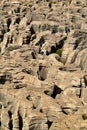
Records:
x=43, y=65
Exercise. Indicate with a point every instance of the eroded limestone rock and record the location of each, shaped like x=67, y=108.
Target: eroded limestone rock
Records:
x=43, y=64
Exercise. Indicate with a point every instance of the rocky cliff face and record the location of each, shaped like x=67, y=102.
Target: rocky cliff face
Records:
x=43, y=65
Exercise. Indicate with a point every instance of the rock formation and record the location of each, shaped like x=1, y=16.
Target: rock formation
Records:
x=43, y=65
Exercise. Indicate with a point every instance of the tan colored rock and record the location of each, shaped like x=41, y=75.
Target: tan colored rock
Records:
x=43, y=64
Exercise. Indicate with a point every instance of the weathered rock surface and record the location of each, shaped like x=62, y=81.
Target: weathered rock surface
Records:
x=43, y=65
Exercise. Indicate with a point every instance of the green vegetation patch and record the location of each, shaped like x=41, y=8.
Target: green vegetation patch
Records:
x=84, y=116
x=59, y=52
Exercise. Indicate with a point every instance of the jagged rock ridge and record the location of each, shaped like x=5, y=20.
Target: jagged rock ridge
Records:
x=43, y=65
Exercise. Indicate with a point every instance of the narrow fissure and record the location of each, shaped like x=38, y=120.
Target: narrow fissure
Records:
x=0, y=125
x=50, y=5
x=1, y=38
x=20, y=121
x=8, y=22
x=85, y=79
x=33, y=55
x=76, y=44
x=10, y=122
x=32, y=31
x=80, y=94
x=64, y=112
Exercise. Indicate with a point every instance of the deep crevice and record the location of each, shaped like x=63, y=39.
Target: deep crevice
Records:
x=2, y=79
x=64, y=112
x=56, y=91
x=20, y=121
x=58, y=46
x=80, y=94
x=49, y=123
x=10, y=122
x=32, y=31
x=76, y=44
x=33, y=55
x=8, y=22
x=53, y=49
x=61, y=42
x=17, y=20
x=40, y=43
x=1, y=38
x=50, y=5
x=85, y=79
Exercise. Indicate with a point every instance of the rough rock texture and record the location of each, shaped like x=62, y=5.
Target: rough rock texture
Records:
x=43, y=65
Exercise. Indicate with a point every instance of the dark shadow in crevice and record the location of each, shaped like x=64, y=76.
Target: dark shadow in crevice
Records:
x=27, y=71
x=33, y=55
x=40, y=42
x=58, y=46
x=47, y=92
x=85, y=79
x=20, y=121
x=80, y=93
x=9, y=22
x=28, y=97
x=67, y=29
x=1, y=38
x=50, y=5
x=61, y=42
x=2, y=79
x=64, y=112
x=17, y=20
x=49, y=123
x=33, y=107
x=32, y=31
x=53, y=49
x=17, y=10
x=76, y=44
x=41, y=78
x=41, y=111
x=11, y=121
x=56, y=91
x=62, y=68
x=67, y=69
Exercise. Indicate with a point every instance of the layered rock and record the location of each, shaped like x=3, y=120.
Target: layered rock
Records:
x=43, y=65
